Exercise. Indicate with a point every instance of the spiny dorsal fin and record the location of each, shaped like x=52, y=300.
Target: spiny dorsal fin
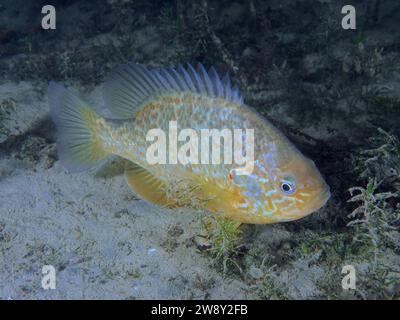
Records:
x=130, y=86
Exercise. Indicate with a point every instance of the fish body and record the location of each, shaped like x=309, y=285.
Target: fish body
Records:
x=283, y=185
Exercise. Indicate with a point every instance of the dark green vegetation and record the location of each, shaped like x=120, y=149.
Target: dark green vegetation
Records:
x=335, y=93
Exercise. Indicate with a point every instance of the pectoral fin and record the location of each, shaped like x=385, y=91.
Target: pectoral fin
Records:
x=146, y=185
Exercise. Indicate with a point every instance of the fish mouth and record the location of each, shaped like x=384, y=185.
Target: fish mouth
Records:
x=321, y=200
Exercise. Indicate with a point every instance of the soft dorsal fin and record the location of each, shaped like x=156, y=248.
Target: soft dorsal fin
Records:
x=130, y=86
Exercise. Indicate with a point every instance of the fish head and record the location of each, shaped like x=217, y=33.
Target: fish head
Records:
x=286, y=189
x=300, y=189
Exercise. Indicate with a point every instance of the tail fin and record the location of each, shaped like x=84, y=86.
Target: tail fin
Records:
x=78, y=144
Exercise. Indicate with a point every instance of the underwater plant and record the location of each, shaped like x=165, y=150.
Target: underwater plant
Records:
x=374, y=218
x=382, y=161
x=223, y=237
x=271, y=288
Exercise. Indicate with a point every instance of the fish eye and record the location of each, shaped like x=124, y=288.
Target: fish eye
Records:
x=288, y=187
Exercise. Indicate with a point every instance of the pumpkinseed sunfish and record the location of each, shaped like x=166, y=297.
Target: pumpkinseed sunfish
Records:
x=283, y=185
